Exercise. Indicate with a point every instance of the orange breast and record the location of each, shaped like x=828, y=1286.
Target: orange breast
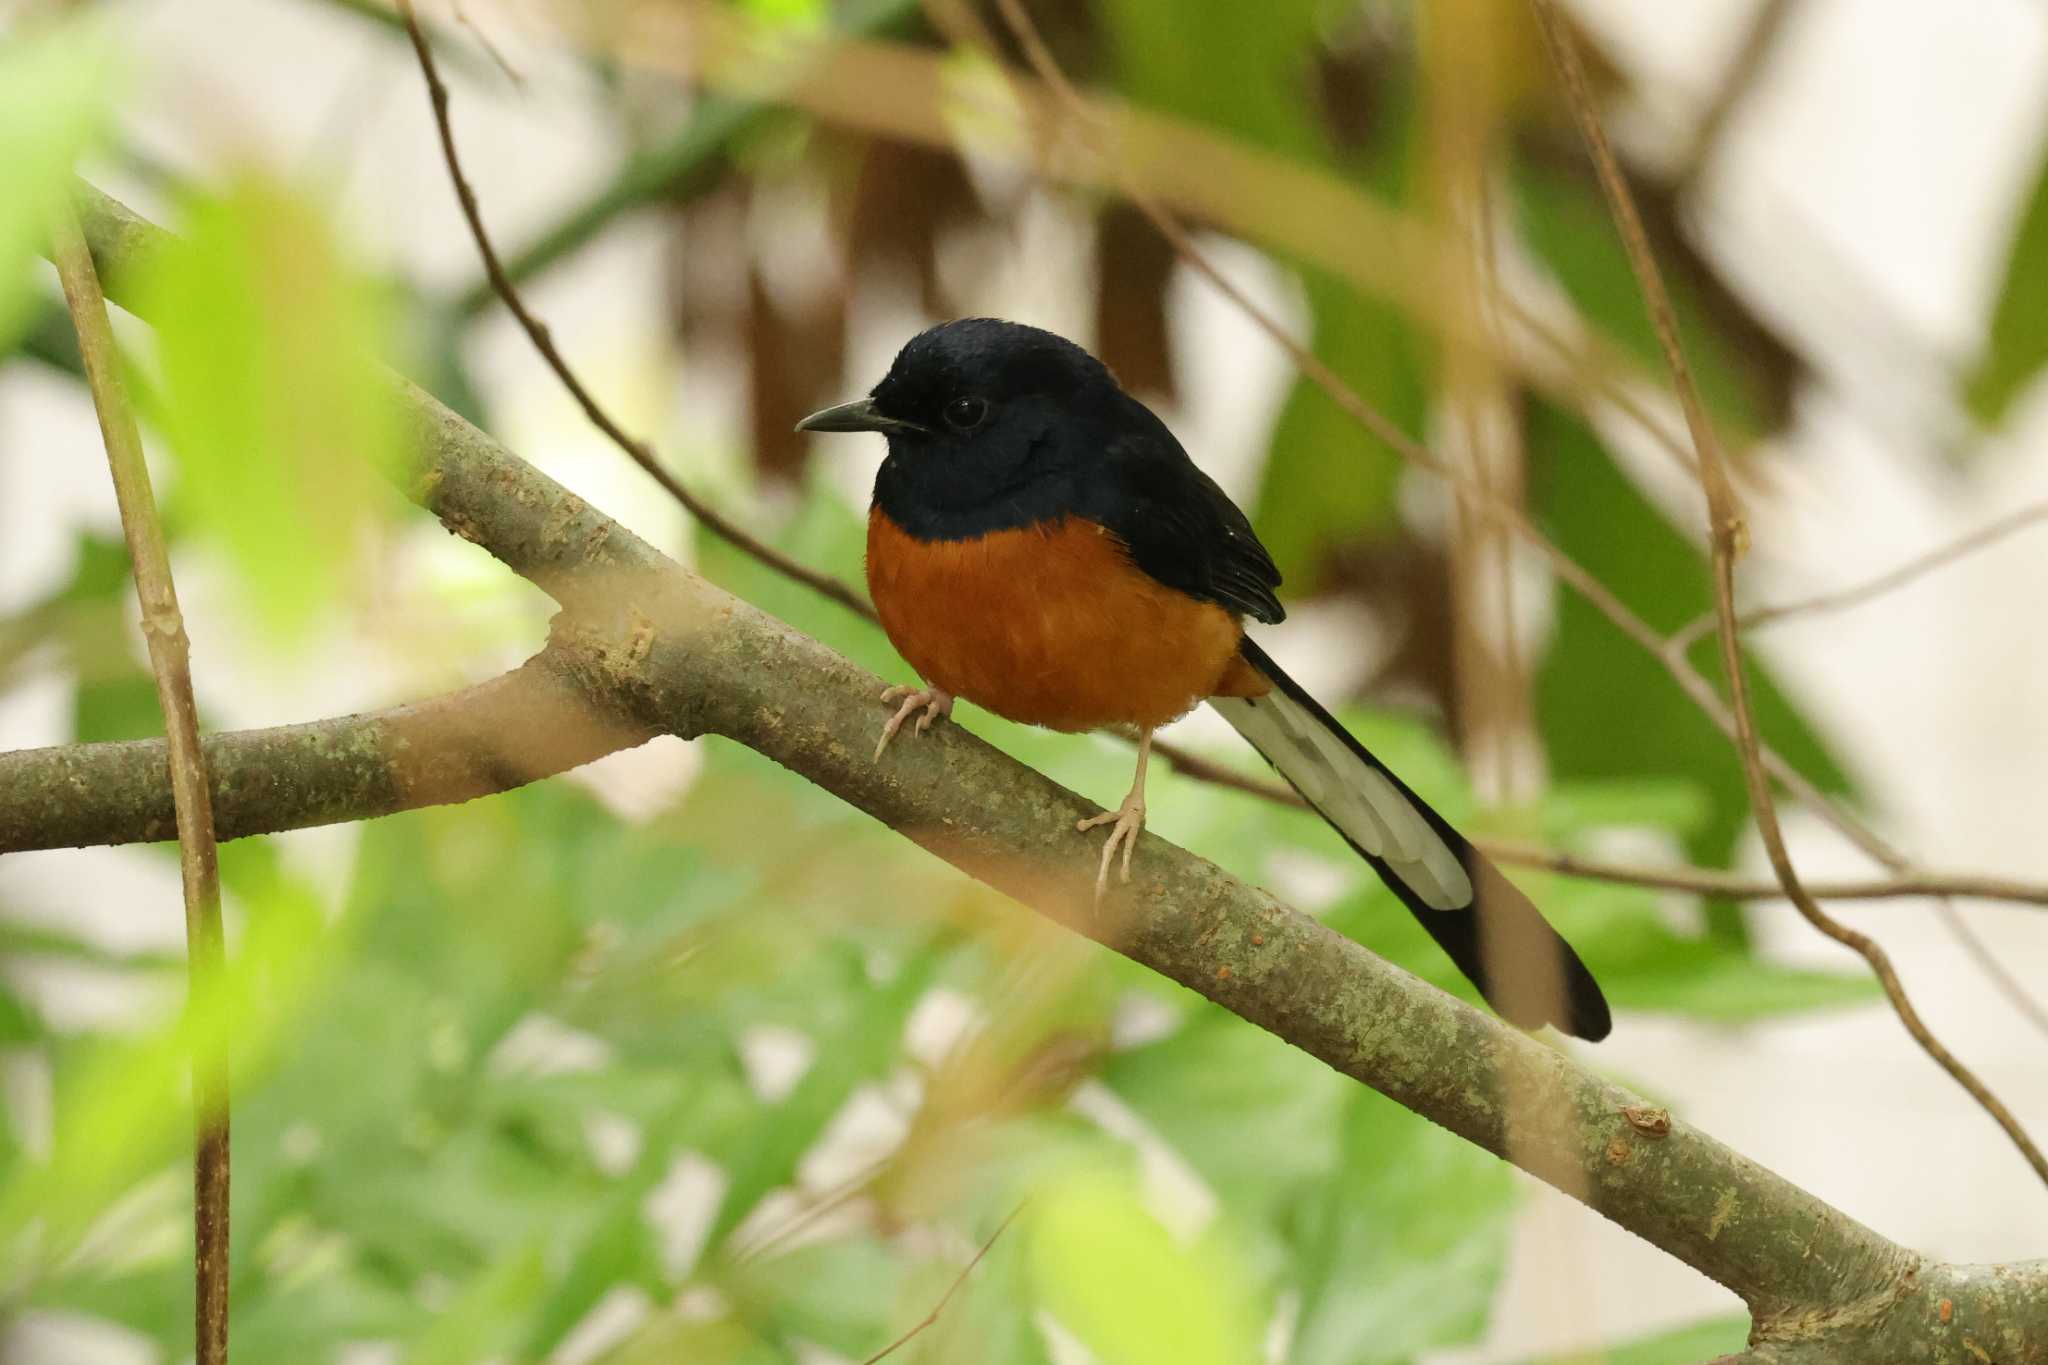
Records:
x=1052, y=625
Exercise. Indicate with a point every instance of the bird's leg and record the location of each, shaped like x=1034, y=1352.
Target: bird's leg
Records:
x=933, y=701
x=1129, y=820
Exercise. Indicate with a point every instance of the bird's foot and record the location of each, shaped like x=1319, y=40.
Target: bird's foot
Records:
x=1129, y=822
x=934, y=702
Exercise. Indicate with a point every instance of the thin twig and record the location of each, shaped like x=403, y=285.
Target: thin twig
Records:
x=163, y=629
x=1725, y=536
x=1706, y=881
x=636, y=449
x=1738, y=78
x=1703, y=881
x=951, y=1289
x=2001, y=976
x=1890, y=580
x=483, y=40
x=1194, y=766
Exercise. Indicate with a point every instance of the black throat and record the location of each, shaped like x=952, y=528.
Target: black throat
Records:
x=937, y=494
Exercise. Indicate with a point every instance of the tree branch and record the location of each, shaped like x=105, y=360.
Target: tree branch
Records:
x=531, y=723
x=1855, y=595
x=536, y=722
x=662, y=648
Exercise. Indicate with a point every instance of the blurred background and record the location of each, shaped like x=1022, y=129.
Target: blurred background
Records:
x=677, y=1058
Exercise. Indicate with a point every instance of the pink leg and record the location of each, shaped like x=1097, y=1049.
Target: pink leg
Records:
x=934, y=702
x=1129, y=820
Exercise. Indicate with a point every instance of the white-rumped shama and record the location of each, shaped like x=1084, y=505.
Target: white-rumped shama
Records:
x=1041, y=545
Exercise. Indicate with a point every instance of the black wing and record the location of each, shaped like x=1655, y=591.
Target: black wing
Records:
x=1180, y=527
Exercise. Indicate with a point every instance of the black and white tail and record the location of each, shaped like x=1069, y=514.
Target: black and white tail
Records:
x=1499, y=940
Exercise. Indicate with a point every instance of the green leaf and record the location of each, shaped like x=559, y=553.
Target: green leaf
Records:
x=271, y=394
x=19, y=1024
x=1565, y=220
x=60, y=943
x=481, y=1320
x=1666, y=803
x=865, y=1041
x=800, y=14
x=1403, y=1250
x=619, y=1249
x=1327, y=480
x=1645, y=964
x=2018, y=343
x=1257, y=1118
x=1251, y=71
x=675, y=1339
x=842, y=1295
x=1247, y=69
x=117, y=706
x=1688, y=1345
x=56, y=83
x=1608, y=709
x=122, y=1102
x=1114, y=1277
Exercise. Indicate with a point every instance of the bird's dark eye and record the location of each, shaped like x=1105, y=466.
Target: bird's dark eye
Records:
x=966, y=412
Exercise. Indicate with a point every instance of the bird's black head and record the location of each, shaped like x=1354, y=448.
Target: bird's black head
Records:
x=989, y=423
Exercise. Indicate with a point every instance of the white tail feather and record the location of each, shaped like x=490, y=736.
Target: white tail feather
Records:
x=1351, y=794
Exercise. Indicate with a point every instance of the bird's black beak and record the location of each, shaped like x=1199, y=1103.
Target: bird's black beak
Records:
x=859, y=415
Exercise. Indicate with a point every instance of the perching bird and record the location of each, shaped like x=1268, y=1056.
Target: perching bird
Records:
x=1041, y=545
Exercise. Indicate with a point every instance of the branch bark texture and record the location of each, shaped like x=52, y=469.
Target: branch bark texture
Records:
x=650, y=646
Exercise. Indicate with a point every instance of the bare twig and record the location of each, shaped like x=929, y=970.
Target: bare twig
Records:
x=1705, y=881
x=1725, y=537
x=483, y=40
x=636, y=449
x=1978, y=951
x=951, y=1289
x=170, y=651
x=1190, y=764
x=1752, y=55
x=1841, y=599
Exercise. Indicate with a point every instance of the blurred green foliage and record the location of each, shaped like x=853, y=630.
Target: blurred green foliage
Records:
x=1709, y=1340
x=2017, y=347
x=527, y=1013
x=271, y=397
x=1565, y=221
x=56, y=102
x=1592, y=672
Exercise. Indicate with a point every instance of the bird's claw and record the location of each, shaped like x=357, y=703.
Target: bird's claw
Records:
x=931, y=700
x=1129, y=822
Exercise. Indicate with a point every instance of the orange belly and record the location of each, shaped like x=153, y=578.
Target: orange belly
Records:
x=1052, y=625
